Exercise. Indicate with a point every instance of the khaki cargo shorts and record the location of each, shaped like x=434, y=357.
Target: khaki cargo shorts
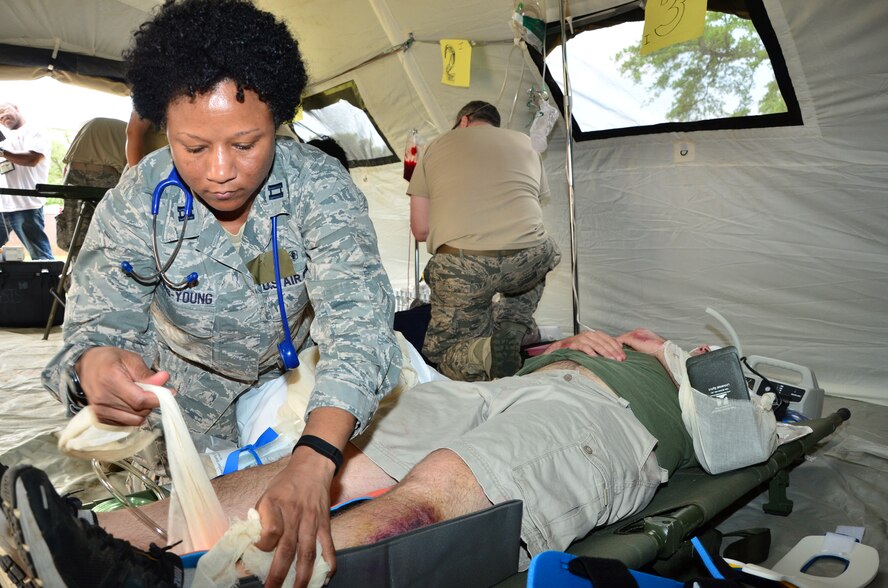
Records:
x=571, y=450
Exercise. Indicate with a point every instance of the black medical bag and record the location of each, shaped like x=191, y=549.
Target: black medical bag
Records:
x=26, y=291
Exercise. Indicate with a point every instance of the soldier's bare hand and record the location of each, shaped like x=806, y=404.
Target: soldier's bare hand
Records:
x=295, y=515
x=108, y=376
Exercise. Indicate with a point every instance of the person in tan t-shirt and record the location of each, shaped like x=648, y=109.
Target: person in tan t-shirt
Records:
x=96, y=158
x=475, y=201
x=142, y=137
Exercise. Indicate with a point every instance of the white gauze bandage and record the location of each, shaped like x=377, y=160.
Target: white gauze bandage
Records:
x=217, y=568
x=196, y=517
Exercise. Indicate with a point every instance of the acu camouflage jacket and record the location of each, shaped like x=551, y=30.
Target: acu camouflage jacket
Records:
x=219, y=338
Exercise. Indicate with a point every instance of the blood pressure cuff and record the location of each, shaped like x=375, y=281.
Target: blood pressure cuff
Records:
x=475, y=550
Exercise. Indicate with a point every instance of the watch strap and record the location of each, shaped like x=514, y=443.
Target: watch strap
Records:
x=324, y=448
x=76, y=396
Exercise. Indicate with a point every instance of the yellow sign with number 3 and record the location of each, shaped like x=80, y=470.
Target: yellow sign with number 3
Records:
x=667, y=22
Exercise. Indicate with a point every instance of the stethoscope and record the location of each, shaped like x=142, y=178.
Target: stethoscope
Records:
x=286, y=348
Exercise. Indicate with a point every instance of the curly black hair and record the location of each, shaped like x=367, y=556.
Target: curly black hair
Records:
x=191, y=46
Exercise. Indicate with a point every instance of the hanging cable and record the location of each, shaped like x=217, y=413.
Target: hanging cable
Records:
x=506, y=76
x=517, y=89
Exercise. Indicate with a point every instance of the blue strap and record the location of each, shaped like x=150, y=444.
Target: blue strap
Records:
x=707, y=559
x=264, y=439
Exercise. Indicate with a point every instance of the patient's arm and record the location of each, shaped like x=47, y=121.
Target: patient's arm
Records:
x=594, y=343
x=645, y=341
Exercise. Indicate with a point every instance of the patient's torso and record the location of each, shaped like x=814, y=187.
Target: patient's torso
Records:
x=652, y=396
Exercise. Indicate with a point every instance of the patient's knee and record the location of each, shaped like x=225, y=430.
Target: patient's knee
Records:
x=445, y=479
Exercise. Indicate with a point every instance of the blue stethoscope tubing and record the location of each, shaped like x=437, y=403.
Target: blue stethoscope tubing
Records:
x=286, y=348
x=172, y=181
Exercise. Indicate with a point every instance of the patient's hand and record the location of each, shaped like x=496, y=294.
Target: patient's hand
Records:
x=594, y=343
x=643, y=340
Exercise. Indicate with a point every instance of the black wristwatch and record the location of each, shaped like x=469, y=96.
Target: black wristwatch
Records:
x=322, y=447
x=76, y=396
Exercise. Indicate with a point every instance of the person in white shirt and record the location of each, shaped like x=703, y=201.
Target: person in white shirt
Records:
x=28, y=148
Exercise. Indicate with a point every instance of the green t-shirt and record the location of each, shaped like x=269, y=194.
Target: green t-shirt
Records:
x=651, y=393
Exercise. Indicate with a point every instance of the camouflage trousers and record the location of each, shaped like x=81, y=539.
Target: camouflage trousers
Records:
x=472, y=295
x=67, y=218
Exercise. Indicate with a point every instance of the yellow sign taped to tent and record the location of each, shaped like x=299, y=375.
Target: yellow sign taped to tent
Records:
x=667, y=22
x=456, y=55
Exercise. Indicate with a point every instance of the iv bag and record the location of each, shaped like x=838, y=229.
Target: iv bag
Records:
x=528, y=24
x=412, y=152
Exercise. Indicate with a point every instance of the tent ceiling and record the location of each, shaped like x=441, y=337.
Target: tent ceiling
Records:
x=327, y=31
x=82, y=27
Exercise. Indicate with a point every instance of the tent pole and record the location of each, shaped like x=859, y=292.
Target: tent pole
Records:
x=392, y=31
x=416, y=270
x=571, y=206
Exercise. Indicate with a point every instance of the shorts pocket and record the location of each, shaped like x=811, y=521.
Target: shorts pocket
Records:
x=565, y=492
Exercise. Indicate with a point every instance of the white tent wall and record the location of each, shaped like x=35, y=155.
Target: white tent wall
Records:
x=780, y=229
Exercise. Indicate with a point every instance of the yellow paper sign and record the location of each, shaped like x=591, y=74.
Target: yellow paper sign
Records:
x=298, y=116
x=667, y=22
x=456, y=55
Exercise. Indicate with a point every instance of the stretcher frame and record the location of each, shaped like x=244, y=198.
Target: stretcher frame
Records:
x=691, y=499
x=463, y=552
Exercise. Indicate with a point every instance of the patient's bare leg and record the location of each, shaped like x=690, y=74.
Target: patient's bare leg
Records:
x=358, y=476
x=240, y=491
x=440, y=487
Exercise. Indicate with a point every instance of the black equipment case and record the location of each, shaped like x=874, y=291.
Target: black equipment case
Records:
x=26, y=292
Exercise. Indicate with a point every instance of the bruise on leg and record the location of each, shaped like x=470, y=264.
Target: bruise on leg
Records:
x=439, y=488
x=422, y=516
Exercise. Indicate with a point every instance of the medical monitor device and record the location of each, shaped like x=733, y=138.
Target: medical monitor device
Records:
x=791, y=382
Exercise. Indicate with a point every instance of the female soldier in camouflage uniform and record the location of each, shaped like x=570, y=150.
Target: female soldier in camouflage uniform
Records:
x=219, y=77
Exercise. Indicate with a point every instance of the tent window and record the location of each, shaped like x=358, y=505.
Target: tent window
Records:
x=340, y=113
x=732, y=77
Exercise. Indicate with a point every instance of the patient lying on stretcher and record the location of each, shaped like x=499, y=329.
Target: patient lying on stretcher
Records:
x=601, y=419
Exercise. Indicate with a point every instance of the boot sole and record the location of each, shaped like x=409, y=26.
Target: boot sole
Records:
x=12, y=574
x=505, y=354
x=13, y=514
